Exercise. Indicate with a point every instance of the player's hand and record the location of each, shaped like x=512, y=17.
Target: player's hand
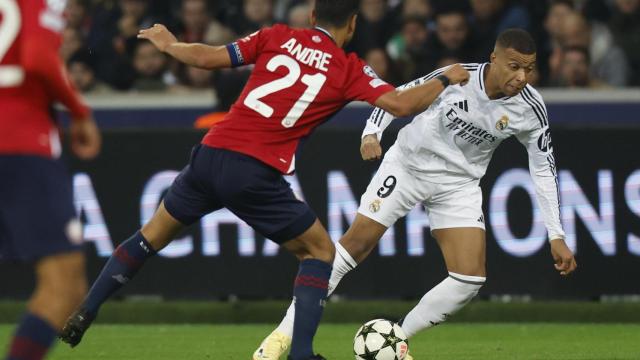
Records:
x=159, y=35
x=563, y=257
x=370, y=148
x=457, y=75
x=85, y=138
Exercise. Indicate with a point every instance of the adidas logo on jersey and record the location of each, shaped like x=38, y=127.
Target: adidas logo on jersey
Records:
x=463, y=105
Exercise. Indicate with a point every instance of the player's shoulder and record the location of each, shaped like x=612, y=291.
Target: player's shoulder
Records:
x=533, y=105
x=530, y=94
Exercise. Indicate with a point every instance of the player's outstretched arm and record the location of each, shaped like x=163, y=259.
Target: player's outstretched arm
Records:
x=198, y=55
x=416, y=99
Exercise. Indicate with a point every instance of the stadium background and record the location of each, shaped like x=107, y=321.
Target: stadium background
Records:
x=148, y=106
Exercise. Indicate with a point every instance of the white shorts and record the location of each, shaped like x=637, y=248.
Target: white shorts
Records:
x=395, y=190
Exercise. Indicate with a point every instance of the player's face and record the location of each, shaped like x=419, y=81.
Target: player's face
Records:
x=513, y=70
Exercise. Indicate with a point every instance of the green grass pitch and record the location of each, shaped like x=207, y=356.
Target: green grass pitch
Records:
x=449, y=341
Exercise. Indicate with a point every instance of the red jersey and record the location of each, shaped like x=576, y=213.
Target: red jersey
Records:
x=32, y=77
x=300, y=79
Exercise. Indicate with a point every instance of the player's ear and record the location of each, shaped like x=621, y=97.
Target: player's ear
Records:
x=352, y=24
x=492, y=57
x=312, y=18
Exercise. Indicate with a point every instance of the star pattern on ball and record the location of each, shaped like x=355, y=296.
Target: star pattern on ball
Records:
x=392, y=341
x=366, y=329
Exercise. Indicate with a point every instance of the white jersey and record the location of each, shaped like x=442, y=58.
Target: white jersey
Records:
x=456, y=136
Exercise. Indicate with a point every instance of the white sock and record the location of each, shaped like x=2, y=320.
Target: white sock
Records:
x=342, y=264
x=444, y=300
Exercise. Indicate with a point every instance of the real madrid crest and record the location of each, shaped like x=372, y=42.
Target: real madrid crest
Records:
x=375, y=205
x=503, y=123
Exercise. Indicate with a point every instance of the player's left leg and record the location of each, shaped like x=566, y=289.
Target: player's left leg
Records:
x=457, y=224
x=316, y=251
x=183, y=205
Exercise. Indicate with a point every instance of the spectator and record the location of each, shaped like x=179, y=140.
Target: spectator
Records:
x=194, y=18
x=375, y=26
x=83, y=75
x=72, y=41
x=256, y=14
x=382, y=65
x=193, y=78
x=298, y=16
x=574, y=70
x=452, y=37
x=491, y=17
x=608, y=61
x=447, y=59
x=409, y=49
x=150, y=66
x=550, y=54
x=113, y=40
x=77, y=16
x=625, y=25
x=421, y=8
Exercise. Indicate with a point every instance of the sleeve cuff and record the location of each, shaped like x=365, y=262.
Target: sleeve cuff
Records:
x=556, y=237
x=372, y=128
x=235, y=54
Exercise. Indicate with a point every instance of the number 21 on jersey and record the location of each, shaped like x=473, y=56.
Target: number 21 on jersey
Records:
x=314, y=84
x=10, y=75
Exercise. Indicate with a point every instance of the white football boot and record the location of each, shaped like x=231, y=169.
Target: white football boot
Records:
x=273, y=346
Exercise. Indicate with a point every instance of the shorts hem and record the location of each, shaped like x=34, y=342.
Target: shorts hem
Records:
x=379, y=221
x=182, y=220
x=295, y=229
x=458, y=225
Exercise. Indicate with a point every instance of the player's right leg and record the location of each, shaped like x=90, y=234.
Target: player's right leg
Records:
x=186, y=202
x=381, y=205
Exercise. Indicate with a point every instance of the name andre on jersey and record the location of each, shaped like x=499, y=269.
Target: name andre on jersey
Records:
x=311, y=57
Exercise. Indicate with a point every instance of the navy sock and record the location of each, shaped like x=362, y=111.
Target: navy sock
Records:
x=122, y=266
x=310, y=294
x=32, y=339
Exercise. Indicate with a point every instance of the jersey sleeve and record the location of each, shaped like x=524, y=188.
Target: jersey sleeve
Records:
x=39, y=54
x=542, y=164
x=245, y=51
x=379, y=119
x=362, y=82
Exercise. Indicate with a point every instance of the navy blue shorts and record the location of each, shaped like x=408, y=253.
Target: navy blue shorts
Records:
x=37, y=215
x=253, y=191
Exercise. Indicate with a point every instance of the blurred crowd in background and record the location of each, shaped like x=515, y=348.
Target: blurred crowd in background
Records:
x=581, y=43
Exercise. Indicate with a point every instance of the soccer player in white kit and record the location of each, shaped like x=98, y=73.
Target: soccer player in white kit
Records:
x=438, y=160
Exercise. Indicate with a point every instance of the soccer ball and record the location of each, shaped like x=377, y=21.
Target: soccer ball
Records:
x=380, y=340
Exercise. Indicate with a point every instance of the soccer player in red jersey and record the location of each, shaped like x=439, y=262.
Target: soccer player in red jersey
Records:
x=38, y=223
x=301, y=77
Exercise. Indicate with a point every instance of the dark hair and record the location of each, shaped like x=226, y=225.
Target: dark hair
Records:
x=580, y=49
x=82, y=56
x=414, y=19
x=568, y=3
x=335, y=12
x=518, y=40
